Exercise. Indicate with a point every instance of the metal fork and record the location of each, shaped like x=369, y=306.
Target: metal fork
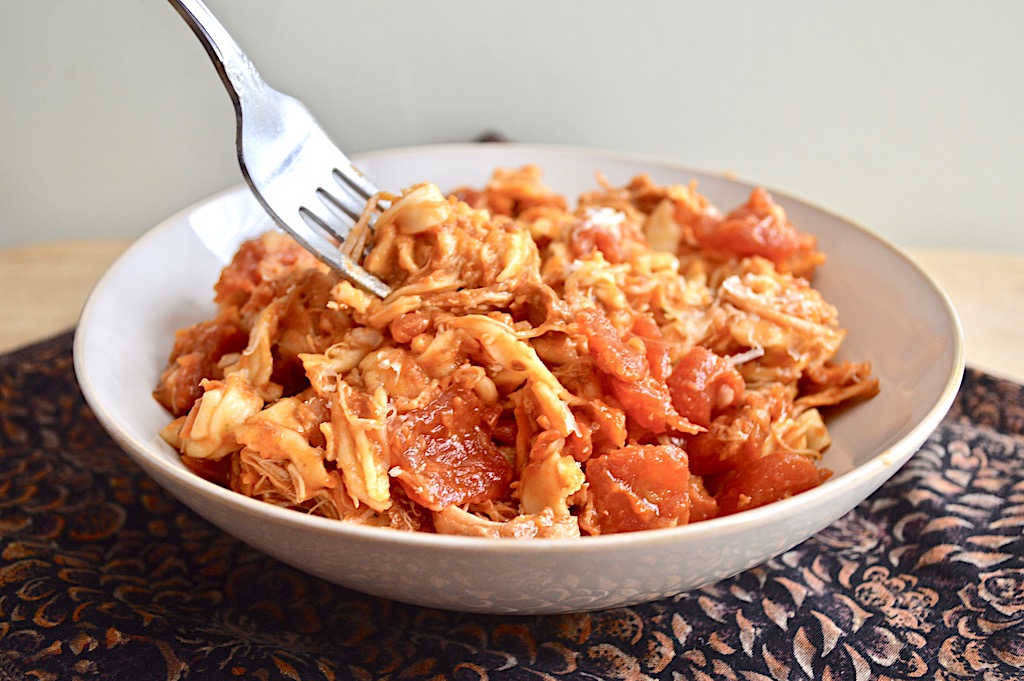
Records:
x=301, y=178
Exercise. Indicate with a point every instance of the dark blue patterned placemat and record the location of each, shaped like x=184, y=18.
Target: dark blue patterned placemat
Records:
x=104, y=576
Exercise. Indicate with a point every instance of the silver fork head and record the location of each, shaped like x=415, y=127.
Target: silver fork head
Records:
x=297, y=173
x=304, y=181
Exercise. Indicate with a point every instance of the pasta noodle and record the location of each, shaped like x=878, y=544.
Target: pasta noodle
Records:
x=638, y=360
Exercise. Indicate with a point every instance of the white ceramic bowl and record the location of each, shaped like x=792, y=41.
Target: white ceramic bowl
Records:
x=896, y=316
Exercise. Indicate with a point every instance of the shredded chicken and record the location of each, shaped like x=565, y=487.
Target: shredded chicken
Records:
x=638, y=361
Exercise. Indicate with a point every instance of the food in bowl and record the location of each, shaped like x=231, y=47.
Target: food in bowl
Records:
x=636, y=361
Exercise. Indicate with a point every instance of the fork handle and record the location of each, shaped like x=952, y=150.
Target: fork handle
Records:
x=232, y=64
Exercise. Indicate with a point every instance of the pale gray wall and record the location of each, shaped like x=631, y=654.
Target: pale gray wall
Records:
x=904, y=116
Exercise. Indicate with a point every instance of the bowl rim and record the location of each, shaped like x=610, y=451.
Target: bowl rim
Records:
x=881, y=466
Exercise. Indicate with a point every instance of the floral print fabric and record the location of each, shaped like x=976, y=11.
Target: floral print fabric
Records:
x=104, y=576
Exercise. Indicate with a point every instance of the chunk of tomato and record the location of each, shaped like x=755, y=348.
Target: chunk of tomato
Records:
x=703, y=384
x=737, y=436
x=445, y=452
x=638, y=487
x=770, y=478
x=759, y=227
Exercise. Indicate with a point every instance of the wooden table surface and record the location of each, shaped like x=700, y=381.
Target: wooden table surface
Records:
x=43, y=287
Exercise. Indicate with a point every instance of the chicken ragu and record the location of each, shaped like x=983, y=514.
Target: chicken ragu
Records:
x=636, y=361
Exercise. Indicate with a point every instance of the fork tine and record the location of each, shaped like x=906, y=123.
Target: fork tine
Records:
x=348, y=197
x=345, y=207
x=347, y=201
x=358, y=186
x=318, y=220
x=351, y=176
x=307, y=235
x=336, y=221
